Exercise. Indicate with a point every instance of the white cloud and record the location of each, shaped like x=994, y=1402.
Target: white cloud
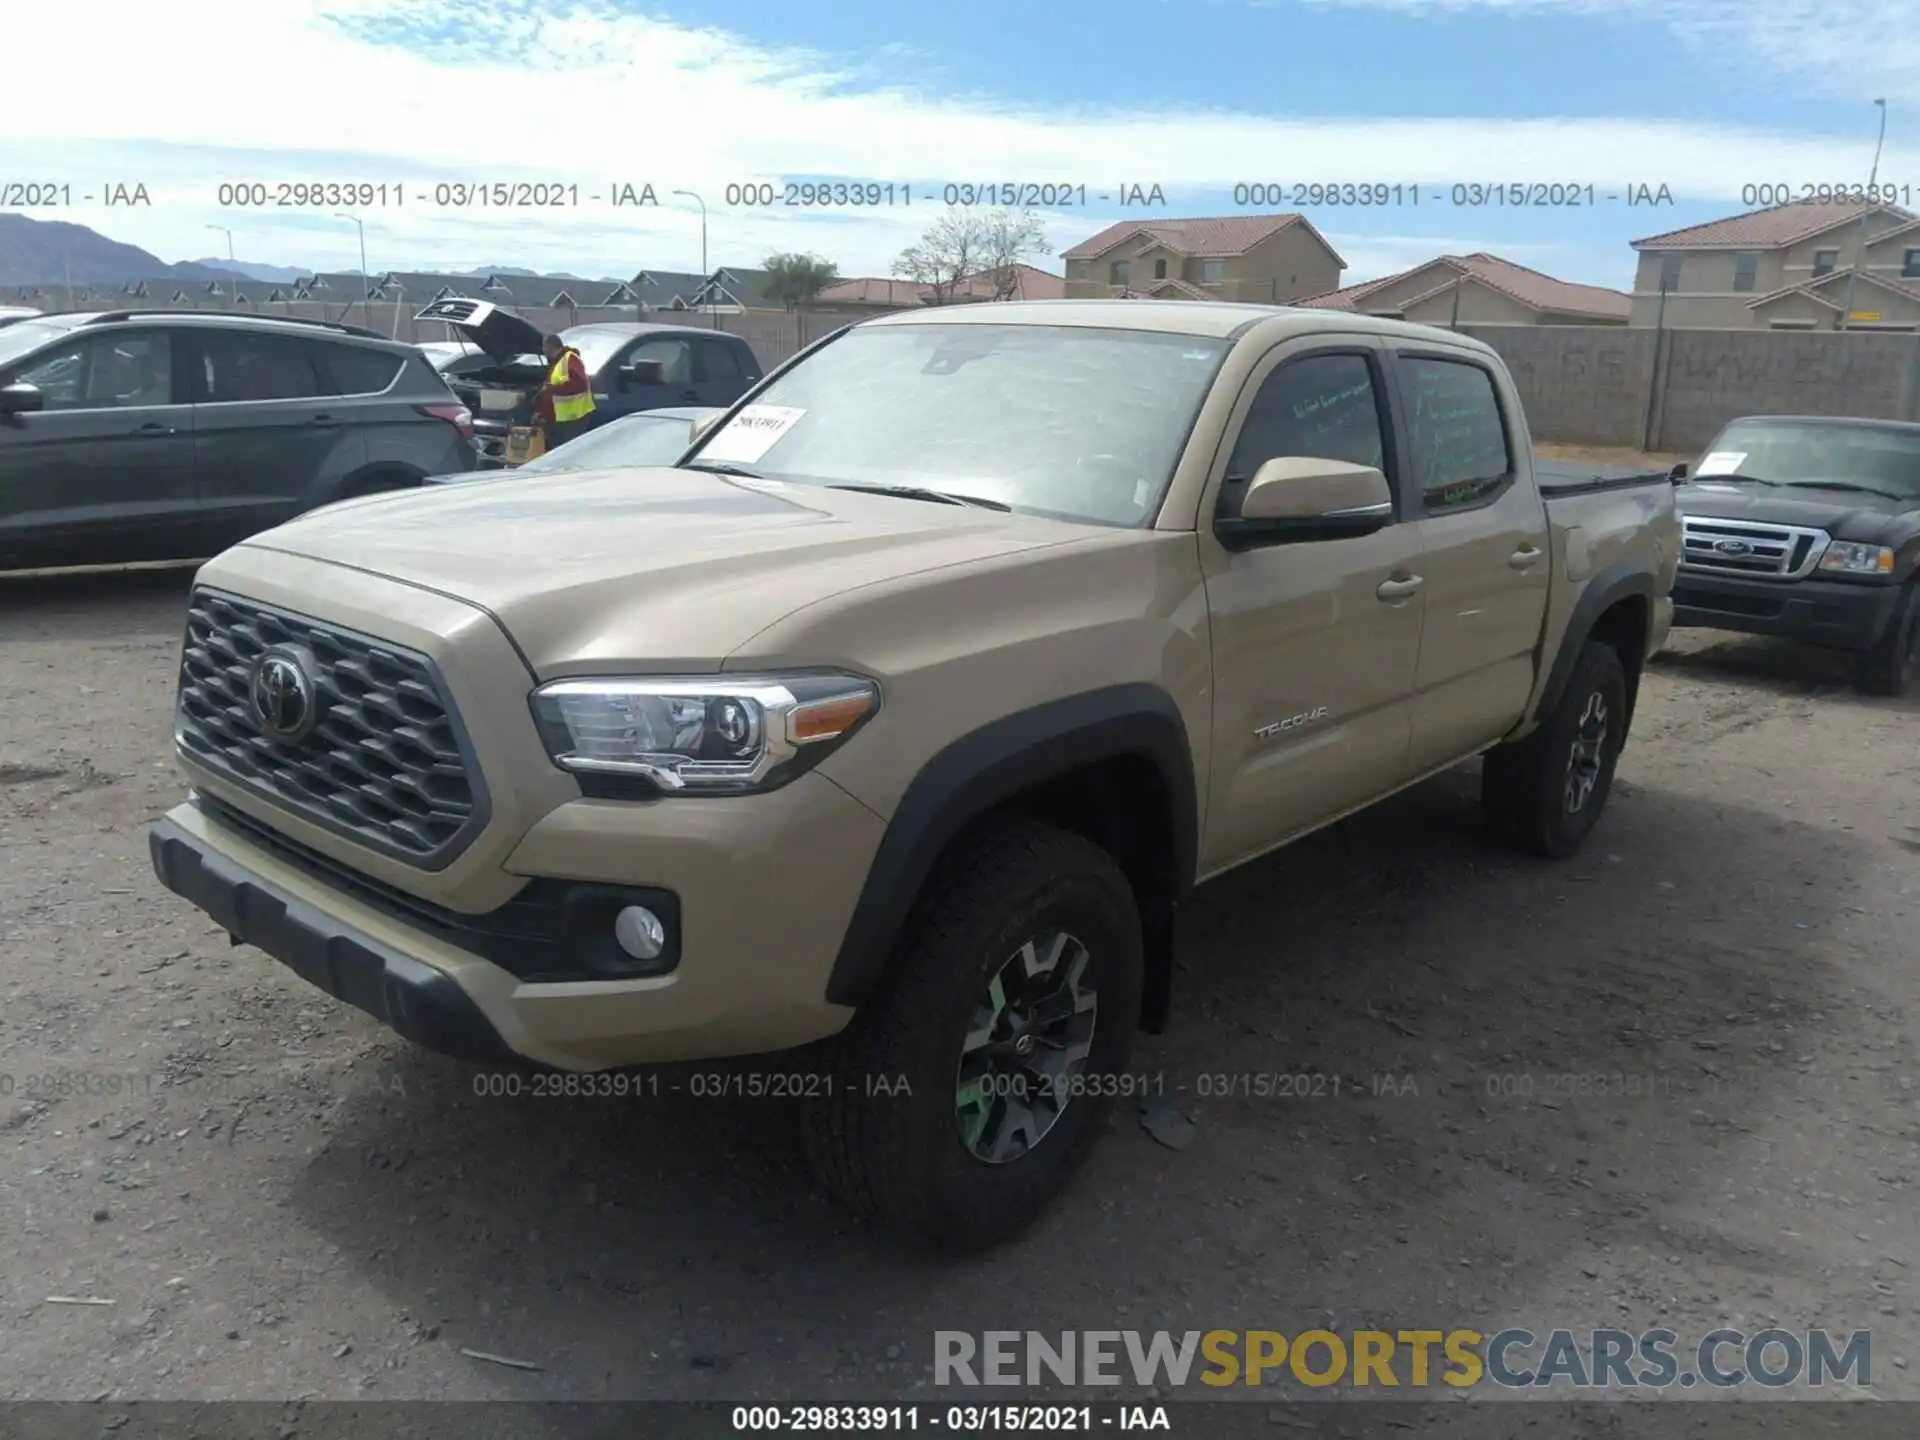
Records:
x=325, y=90
x=1855, y=49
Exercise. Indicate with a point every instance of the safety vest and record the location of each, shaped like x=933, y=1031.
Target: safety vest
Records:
x=567, y=407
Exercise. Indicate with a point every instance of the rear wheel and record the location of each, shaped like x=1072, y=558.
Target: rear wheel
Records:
x=969, y=1088
x=1892, y=666
x=1545, y=793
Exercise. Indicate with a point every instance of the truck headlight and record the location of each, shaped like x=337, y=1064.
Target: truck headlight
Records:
x=1849, y=557
x=702, y=735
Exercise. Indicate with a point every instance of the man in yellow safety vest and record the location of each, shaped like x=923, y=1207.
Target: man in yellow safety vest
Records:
x=566, y=400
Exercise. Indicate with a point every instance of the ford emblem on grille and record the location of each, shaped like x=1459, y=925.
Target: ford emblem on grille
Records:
x=282, y=695
x=1733, y=547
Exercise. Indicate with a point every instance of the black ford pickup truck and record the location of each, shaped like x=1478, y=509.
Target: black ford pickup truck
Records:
x=1808, y=527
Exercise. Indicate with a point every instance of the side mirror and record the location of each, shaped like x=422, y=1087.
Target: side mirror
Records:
x=21, y=399
x=1296, y=498
x=644, y=372
x=1678, y=473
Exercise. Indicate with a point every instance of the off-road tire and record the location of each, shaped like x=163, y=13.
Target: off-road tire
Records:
x=1893, y=664
x=893, y=1152
x=1524, y=787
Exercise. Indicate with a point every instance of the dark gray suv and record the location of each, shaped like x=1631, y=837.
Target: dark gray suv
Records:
x=141, y=435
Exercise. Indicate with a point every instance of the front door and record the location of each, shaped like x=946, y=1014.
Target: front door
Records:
x=1483, y=533
x=270, y=437
x=1315, y=643
x=103, y=474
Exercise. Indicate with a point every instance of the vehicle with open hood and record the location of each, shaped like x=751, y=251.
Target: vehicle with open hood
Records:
x=631, y=366
x=883, y=734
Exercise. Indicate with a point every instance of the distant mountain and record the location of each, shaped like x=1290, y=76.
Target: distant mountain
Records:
x=506, y=270
x=274, y=273
x=54, y=252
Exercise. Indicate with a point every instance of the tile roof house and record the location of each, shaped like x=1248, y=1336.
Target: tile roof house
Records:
x=1260, y=259
x=1027, y=282
x=1479, y=289
x=1784, y=268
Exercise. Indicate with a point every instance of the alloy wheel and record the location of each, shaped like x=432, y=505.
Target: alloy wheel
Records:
x=1026, y=1044
x=1588, y=754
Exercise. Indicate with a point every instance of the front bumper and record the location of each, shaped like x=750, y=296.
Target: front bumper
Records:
x=764, y=887
x=1840, y=614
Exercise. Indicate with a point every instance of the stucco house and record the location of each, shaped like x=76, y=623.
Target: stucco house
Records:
x=1478, y=289
x=1261, y=259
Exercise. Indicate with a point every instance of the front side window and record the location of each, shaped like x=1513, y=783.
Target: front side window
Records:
x=1455, y=434
x=675, y=357
x=1324, y=406
x=1081, y=423
x=237, y=365
x=103, y=372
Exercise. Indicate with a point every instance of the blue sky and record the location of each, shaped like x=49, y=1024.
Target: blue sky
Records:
x=1705, y=97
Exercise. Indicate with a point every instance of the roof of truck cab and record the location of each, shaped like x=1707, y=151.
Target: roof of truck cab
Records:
x=1217, y=319
x=642, y=327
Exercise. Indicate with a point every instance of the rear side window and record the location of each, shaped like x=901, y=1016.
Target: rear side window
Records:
x=1456, y=434
x=675, y=357
x=1323, y=406
x=357, y=370
x=236, y=365
x=720, y=361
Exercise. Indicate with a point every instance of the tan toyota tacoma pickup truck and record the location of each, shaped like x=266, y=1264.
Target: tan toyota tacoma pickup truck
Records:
x=891, y=725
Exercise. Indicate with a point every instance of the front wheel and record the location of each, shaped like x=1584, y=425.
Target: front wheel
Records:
x=1893, y=664
x=1545, y=793
x=969, y=1088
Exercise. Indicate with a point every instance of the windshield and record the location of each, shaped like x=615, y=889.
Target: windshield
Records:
x=636, y=440
x=24, y=335
x=1083, y=423
x=1817, y=456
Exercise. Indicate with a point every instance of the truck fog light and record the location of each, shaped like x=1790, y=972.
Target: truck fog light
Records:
x=639, y=932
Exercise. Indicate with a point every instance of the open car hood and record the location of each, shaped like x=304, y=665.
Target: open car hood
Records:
x=505, y=337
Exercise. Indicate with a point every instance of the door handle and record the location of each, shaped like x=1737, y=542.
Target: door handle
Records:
x=323, y=420
x=689, y=394
x=1399, y=589
x=1525, y=558
x=155, y=428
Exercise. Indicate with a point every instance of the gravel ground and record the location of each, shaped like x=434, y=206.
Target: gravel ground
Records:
x=283, y=1201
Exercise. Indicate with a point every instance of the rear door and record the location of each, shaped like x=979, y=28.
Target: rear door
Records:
x=104, y=474
x=271, y=438
x=618, y=393
x=1484, y=538
x=723, y=371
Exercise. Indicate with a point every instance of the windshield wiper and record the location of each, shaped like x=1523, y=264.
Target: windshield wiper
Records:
x=722, y=467
x=1843, y=485
x=919, y=492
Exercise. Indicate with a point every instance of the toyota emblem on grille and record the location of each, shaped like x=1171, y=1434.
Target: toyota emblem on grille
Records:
x=283, y=697
x=1733, y=547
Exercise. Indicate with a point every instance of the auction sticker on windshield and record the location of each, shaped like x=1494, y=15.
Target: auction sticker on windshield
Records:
x=751, y=433
x=1722, y=462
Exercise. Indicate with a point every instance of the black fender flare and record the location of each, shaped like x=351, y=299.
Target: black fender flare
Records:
x=986, y=767
x=1623, y=580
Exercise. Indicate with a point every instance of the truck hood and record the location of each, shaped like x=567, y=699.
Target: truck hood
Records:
x=504, y=336
x=648, y=569
x=1843, y=514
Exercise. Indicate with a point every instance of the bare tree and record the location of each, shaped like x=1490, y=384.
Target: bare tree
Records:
x=1009, y=239
x=966, y=244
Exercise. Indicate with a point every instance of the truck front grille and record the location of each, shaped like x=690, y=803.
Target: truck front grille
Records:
x=1751, y=548
x=386, y=765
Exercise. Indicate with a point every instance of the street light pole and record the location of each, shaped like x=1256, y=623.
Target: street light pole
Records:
x=366, y=304
x=232, y=265
x=705, y=275
x=1866, y=210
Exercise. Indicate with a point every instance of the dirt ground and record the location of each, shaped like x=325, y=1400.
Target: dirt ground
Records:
x=1610, y=456
x=282, y=1201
